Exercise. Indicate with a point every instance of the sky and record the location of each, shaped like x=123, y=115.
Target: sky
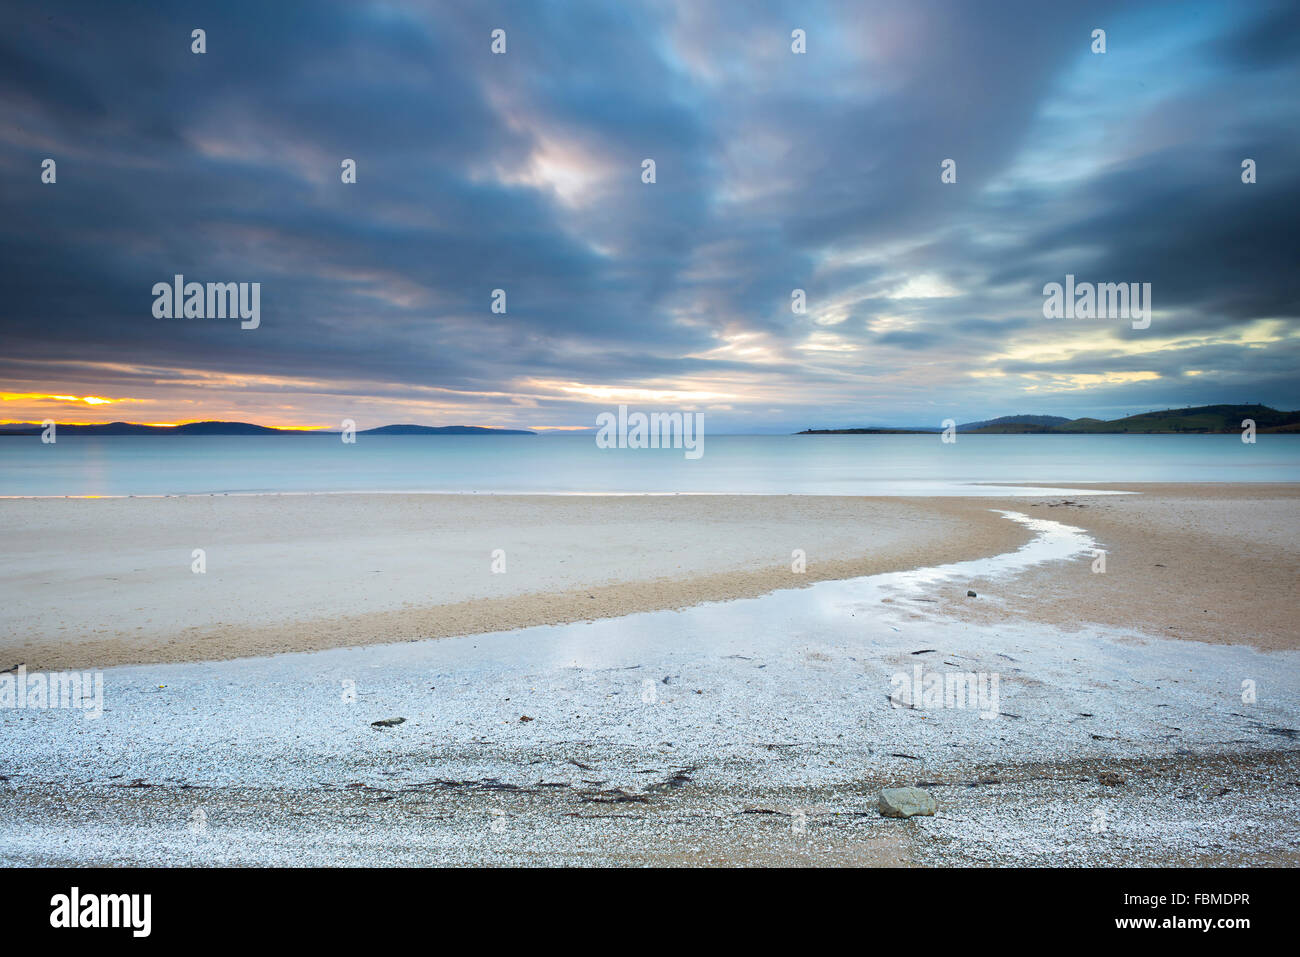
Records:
x=522, y=171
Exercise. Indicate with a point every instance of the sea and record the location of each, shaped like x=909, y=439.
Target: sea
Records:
x=568, y=464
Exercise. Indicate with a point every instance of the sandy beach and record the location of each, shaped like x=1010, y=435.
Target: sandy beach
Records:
x=110, y=581
x=101, y=582
x=708, y=705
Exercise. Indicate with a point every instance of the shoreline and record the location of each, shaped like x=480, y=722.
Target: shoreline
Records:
x=985, y=489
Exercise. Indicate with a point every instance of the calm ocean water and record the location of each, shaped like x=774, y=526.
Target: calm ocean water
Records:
x=779, y=464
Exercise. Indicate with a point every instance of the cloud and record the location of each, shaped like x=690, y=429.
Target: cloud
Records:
x=522, y=172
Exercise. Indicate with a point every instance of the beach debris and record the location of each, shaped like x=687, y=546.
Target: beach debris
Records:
x=923, y=651
x=613, y=796
x=478, y=784
x=906, y=802
x=971, y=594
x=387, y=723
x=1110, y=778
x=524, y=719
x=1281, y=732
x=680, y=779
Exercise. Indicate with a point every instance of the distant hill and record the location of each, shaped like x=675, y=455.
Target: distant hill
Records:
x=441, y=430
x=245, y=428
x=219, y=428
x=1016, y=420
x=866, y=431
x=132, y=428
x=1201, y=419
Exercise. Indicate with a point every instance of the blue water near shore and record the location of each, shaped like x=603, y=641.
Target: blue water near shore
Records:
x=560, y=464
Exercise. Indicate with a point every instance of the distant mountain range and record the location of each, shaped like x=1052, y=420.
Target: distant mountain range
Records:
x=1202, y=419
x=442, y=430
x=247, y=428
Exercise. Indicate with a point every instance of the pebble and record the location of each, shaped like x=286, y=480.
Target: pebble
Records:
x=906, y=802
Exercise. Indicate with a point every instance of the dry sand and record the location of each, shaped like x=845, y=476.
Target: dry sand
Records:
x=93, y=583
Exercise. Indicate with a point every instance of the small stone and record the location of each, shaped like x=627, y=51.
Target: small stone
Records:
x=524, y=719
x=387, y=723
x=971, y=594
x=906, y=802
x=1110, y=778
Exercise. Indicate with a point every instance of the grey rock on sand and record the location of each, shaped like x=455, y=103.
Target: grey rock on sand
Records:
x=387, y=723
x=906, y=802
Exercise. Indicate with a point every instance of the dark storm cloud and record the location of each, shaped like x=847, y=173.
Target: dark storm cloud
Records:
x=522, y=172
x=1218, y=249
